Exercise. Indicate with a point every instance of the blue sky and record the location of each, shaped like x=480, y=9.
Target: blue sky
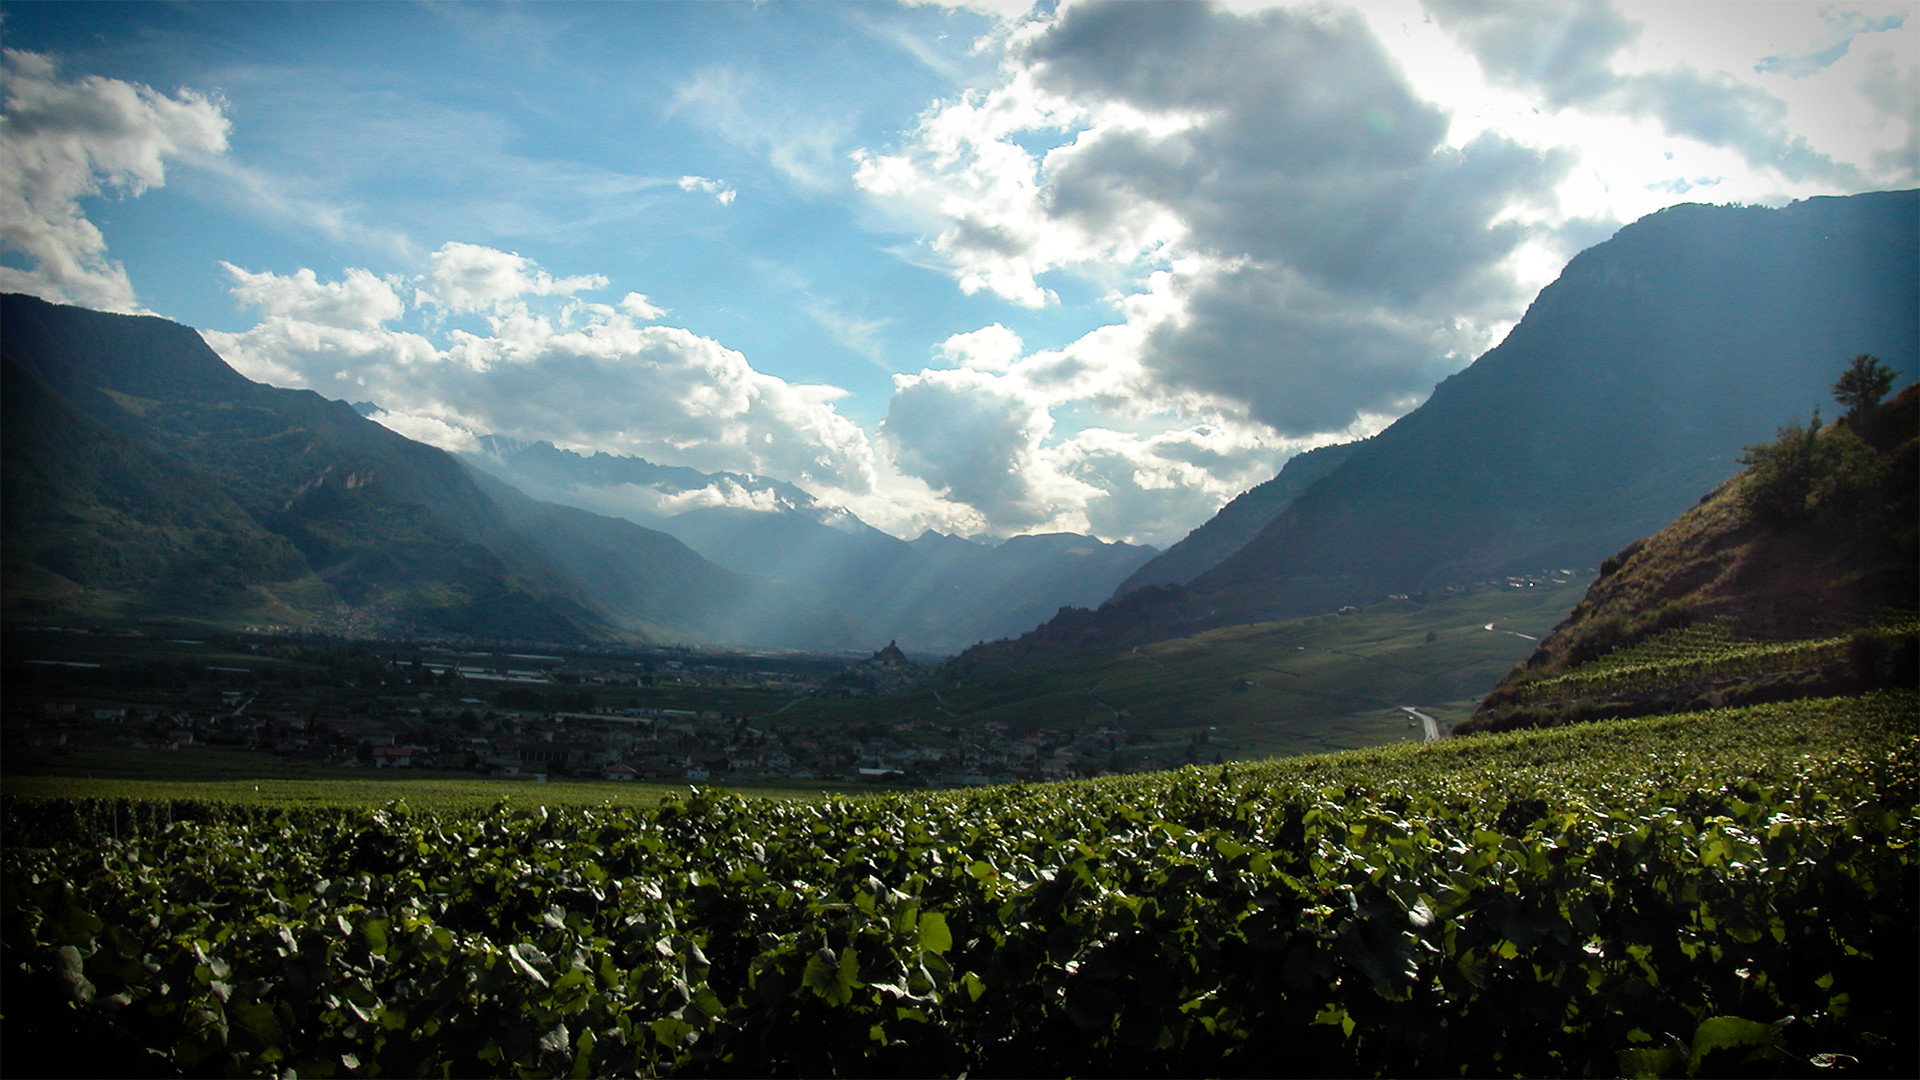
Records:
x=981, y=268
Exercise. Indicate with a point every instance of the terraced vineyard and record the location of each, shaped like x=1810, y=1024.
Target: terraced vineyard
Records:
x=1726, y=892
x=1705, y=651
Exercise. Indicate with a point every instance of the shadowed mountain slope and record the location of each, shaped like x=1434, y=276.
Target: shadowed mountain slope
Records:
x=137, y=462
x=1628, y=388
x=1237, y=522
x=1749, y=596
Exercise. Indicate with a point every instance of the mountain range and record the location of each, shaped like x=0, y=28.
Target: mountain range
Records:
x=146, y=478
x=1629, y=387
x=936, y=593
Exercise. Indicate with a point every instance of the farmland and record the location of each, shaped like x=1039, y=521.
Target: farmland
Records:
x=1713, y=892
x=255, y=707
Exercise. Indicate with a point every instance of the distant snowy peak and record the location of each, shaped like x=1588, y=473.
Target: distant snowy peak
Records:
x=636, y=488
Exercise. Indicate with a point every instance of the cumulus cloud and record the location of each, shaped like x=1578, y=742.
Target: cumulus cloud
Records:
x=1892, y=89
x=990, y=348
x=638, y=306
x=972, y=436
x=1566, y=53
x=585, y=375
x=1298, y=239
x=62, y=141
x=359, y=301
x=1296, y=253
x=470, y=277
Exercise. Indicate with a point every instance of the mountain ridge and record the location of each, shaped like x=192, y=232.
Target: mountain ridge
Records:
x=373, y=530
x=1627, y=388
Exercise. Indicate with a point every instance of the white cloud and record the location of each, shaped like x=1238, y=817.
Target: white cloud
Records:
x=584, y=375
x=1603, y=59
x=640, y=307
x=990, y=348
x=721, y=193
x=360, y=301
x=998, y=9
x=1295, y=249
x=64, y=141
x=795, y=137
x=1838, y=30
x=973, y=436
x=470, y=277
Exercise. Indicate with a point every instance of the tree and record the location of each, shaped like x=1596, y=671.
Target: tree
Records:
x=1860, y=387
x=1806, y=471
x=1780, y=474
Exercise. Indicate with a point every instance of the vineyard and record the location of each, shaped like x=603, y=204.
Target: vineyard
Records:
x=1723, y=893
x=1705, y=651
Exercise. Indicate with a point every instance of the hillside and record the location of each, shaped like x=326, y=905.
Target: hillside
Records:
x=1296, y=686
x=93, y=519
x=1626, y=390
x=1750, y=596
x=147, y=479
x=1237, y=522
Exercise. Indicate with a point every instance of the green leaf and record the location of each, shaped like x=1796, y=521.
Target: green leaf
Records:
x=934, y=935
x=833, y=982
x=521, y=963
x=257, y=1019
x=1655, y=1064
x=1730, y=1033
x=72, y=973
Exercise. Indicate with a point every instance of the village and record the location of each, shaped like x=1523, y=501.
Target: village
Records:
x=581, y=721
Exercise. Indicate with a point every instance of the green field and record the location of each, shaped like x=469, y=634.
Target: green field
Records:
x=1722, y=893
x=1331, y=682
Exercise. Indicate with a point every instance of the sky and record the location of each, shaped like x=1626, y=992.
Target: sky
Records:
x=980, y=267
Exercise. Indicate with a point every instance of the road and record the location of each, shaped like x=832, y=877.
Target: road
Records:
x=1515, y=633
x=1431, y=725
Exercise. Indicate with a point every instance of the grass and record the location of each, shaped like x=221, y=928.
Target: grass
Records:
x=422, y=793
x=1302, y=686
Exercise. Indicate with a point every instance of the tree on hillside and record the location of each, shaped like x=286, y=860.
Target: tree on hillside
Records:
x=1860, y=387
x=1806, y=471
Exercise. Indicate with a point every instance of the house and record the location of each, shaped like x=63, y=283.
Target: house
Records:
x=393, y=757
x=618, y=772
